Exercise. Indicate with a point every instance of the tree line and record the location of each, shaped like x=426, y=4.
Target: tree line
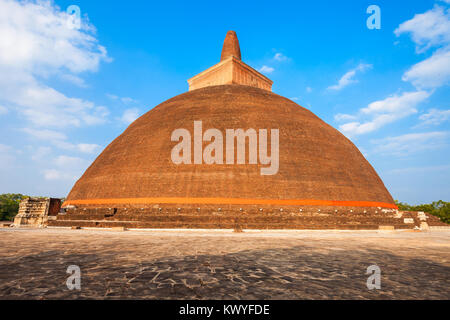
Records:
x=440, y=209
x=9, y=206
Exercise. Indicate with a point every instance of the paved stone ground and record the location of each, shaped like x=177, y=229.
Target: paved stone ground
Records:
x=223, y=265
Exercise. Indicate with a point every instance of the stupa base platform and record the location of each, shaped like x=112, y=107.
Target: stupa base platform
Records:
x=259, y=219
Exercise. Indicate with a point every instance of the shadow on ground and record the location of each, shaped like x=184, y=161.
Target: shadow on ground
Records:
x=299, y=272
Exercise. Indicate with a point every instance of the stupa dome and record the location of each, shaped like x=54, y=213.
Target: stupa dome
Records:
x=317, y=164
x=230, y=152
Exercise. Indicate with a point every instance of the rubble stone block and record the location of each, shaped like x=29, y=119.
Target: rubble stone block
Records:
x=120, y=229
x=386, y=228
x=424, y=226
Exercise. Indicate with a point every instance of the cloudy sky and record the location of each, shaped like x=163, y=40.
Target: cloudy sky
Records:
x=66, y=93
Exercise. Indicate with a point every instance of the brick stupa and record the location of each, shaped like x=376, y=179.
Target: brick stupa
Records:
x=323, y=180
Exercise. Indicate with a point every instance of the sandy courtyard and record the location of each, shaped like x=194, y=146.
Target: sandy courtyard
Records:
x=223, y=265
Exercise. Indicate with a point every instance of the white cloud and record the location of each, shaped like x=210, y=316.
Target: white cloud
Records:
x=58, y=175
x=348, y=78
x=130, y=115
x=112, y=96
x=59, y=139
x=125, y=100
x=35, y=44
x=384, y=112
x=4, y=148
x=415, y=170
x=435, y=117
x=344, y=117
x=36, y=47
x=428, y=29
x=309, y=89
x=432, y=72
x=6, y=156
x=412, y=143
x=45, y=107
x=266, y=69
x=36, y=34
x=67, y=168
x=74, y=79
x=58, y=168
x=128, y=100
x=45, y=134
x=69, y=162
x=88, y=148
x=41, y=153
x=280, y=57
x=3, y=110
x=405, y=103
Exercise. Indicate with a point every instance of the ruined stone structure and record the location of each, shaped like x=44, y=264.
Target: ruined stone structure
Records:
x=35, y=212
x=323, y=182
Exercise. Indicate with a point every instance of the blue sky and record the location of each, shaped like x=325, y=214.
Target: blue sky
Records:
x=65, y=93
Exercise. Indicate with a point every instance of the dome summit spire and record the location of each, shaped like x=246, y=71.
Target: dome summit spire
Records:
x=231, y=46
x=230, y=70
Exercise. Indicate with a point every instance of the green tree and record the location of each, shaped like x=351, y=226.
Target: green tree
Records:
x=440, y=209
x=9, y=206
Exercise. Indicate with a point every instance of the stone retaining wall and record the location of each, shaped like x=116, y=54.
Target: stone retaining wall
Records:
x=173, y=217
